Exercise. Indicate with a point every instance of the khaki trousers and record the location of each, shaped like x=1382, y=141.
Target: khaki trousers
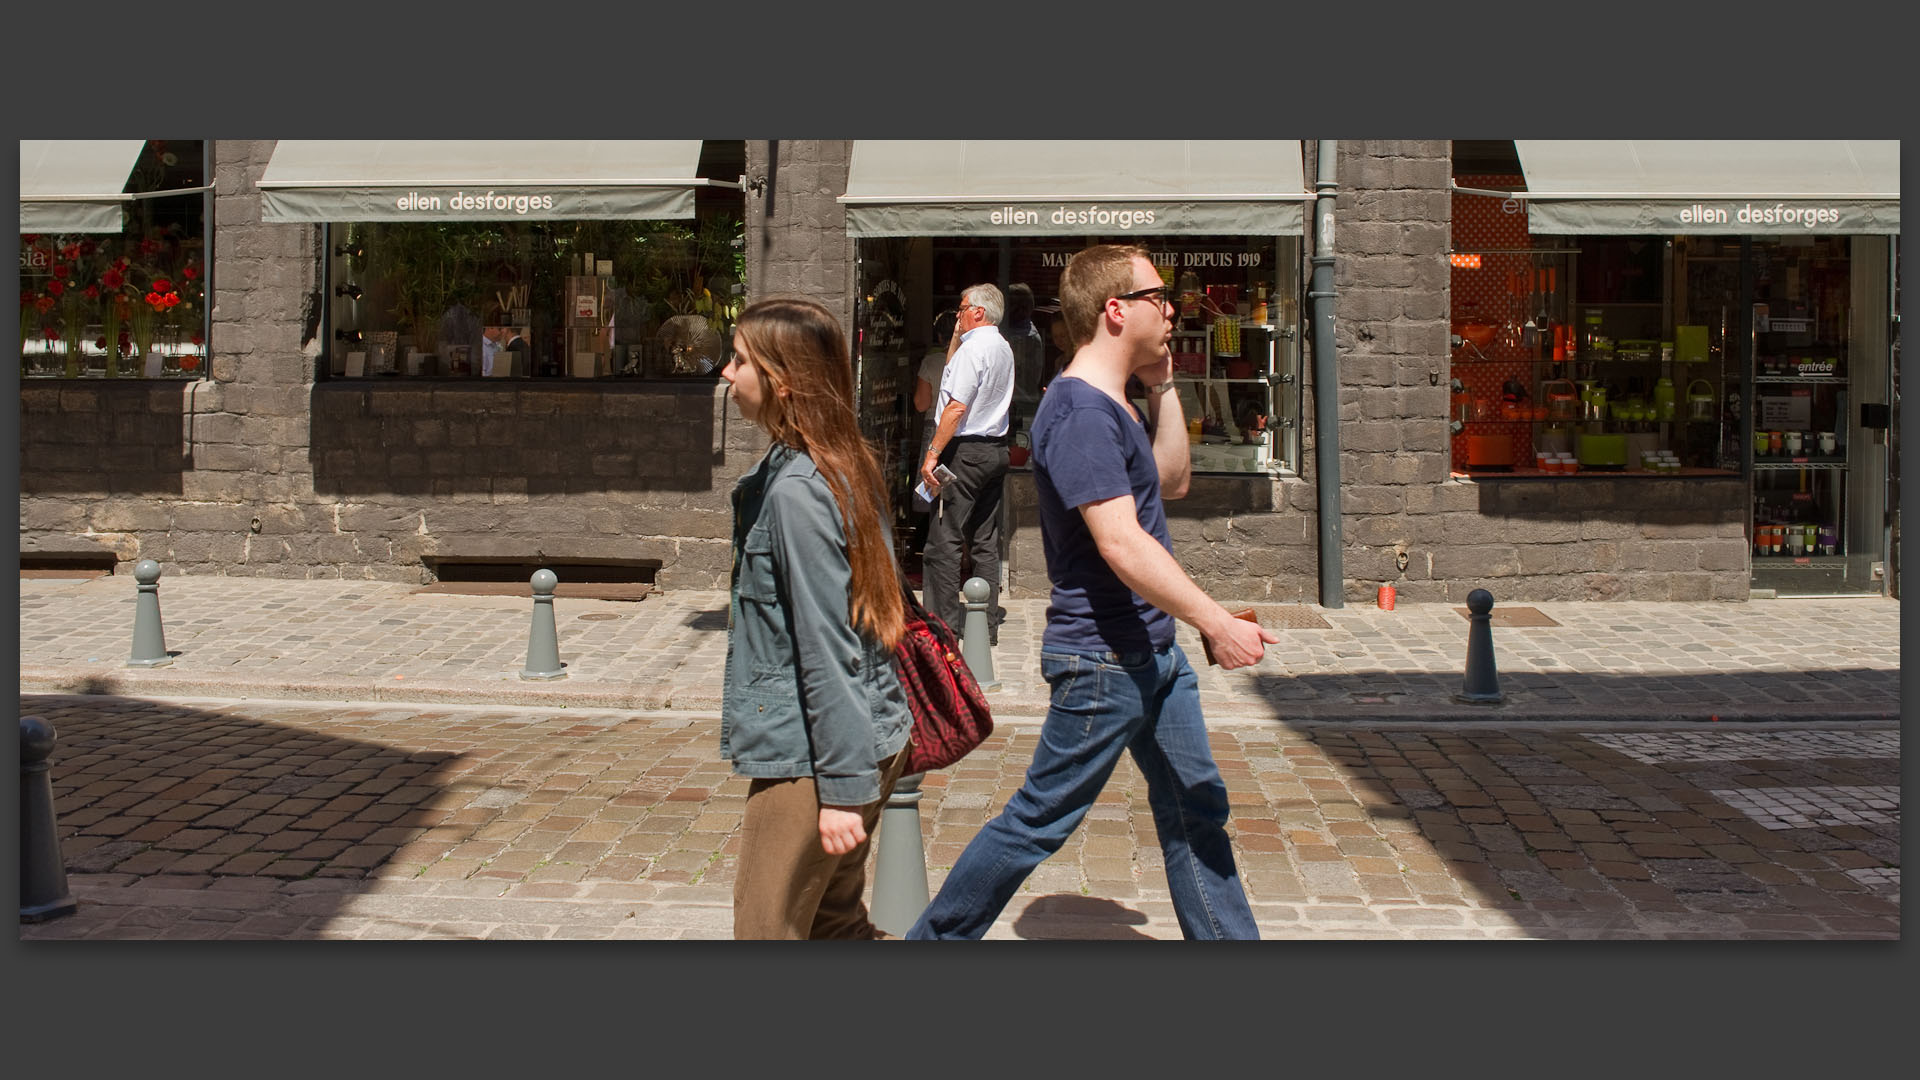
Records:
x=785, y=885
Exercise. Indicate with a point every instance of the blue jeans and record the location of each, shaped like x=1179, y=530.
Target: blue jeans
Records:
x=1145, y=703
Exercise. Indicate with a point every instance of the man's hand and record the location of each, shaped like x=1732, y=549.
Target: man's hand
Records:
x=1237, y=642
x=1159, y=370
x=841, y=829
x=926, y=473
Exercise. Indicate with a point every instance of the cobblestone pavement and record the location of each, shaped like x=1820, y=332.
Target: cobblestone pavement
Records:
x=1814, y=660
x=255, y=819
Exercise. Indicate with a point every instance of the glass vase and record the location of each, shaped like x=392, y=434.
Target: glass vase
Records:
x=170, y=350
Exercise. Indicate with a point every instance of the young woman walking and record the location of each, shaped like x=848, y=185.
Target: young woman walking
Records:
x=812, y=709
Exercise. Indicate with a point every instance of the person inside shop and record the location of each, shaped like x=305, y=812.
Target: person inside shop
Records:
x=926, y=385
x=812, y=711
x=971, y=440
x=1029, y=354
x=1063, y=346
x=1119, y=682
x=489, y=345
x=519, y=353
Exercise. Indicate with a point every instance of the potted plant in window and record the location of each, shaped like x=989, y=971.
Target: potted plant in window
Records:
x=431, y=268
x=74, y=300
x=146, y=315
x=27, y=320
x=419, y=286
x=183, y=309
x=113, y=312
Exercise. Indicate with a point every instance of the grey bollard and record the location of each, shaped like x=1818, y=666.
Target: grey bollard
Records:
x=975, y=647
x=1482, y=686
x=149, y=641
x=543, y=644
x=900, y=868
x=43, y=875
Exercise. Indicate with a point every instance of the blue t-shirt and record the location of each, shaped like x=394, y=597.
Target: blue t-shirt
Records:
x=1088, y=447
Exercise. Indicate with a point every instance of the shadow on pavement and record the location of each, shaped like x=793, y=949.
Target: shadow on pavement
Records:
x=214, y=799
x=1071, y=917
x=1639, y=696
x=1724, y=832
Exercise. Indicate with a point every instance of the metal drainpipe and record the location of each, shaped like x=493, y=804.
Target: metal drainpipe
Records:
x=1326, y=384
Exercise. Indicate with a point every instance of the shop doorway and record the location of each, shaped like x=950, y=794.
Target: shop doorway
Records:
x=1820, y=349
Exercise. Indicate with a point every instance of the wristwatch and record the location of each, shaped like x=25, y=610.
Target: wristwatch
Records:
x=1160, y=388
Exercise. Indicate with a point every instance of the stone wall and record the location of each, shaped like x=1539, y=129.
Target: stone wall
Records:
x=1390, y=277
x=261, y=470
x=797, y=241
x=1240, y=538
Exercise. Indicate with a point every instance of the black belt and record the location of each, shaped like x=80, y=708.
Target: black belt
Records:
x=998, y=439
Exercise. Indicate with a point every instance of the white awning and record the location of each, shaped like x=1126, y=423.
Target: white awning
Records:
x=1055, y=188
x=479, y=180
x=1727, y=187
x=75, y=185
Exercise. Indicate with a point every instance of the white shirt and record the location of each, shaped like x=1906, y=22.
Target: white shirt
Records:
x=980, y=376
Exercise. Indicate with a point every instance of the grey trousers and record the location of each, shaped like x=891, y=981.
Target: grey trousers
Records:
x=967, y=518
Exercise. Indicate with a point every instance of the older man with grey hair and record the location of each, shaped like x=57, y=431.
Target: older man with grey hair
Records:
x=971, y=440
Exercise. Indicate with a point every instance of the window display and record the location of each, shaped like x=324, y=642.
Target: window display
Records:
x=1594, y=355
x=1236, y=345
x=125, y=303
x=535, y=299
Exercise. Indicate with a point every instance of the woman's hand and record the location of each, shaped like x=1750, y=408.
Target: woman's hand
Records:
x=841, y=829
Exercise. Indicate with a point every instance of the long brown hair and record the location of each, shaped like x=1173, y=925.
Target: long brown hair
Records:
x=798, y=348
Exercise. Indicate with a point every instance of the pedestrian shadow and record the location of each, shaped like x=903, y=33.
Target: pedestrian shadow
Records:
x=207, y=807
x=708, y=620
x=1072, y=917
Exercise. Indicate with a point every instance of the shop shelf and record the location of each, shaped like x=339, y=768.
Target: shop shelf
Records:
x=1800, y=562
x=1826, y=464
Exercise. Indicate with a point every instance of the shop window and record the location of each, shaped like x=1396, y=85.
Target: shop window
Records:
x=543, y=299
x=1237, y=344
x=1590, y=355
x=127, y=304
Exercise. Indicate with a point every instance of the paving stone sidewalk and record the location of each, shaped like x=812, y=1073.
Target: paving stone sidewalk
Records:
x=1816, y=660
x=255, y=819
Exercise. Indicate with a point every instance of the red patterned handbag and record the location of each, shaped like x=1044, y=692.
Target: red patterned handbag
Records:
x=950, y=714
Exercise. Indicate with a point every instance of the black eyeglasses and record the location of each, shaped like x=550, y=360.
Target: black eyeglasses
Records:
x=1158, y=294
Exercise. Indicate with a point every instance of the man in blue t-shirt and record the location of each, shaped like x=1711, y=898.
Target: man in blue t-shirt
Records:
x=1119, y=682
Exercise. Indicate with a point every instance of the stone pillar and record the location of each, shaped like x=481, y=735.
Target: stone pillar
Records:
x=1395, y=218
x=797, y=241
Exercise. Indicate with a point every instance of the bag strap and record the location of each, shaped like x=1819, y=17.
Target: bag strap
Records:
x=934, y=624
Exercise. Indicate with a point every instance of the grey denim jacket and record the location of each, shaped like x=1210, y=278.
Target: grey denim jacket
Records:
x=806, y=694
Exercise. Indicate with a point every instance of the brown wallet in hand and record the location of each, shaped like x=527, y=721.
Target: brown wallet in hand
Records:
x=1244, y=613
